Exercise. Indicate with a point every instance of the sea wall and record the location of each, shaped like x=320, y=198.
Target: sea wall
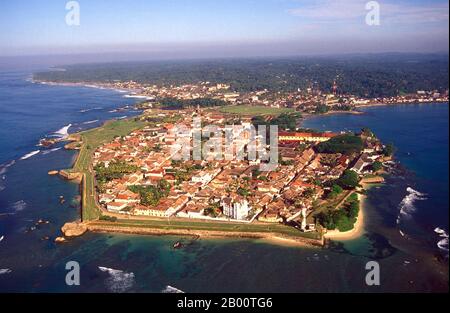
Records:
x=108, y=228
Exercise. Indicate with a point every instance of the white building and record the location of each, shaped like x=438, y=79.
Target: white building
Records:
x=237, y=210
x=116, y=206
x=202, y=177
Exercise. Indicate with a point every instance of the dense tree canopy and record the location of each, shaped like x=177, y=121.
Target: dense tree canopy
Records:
x=345, y=144
x=151, y=195
x=348, y=180
x=115, y=170
x=342, y=219
x=173, y=103
x=362, y=75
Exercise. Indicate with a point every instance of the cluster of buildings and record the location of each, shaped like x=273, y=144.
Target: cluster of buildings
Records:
x=302, y=100
x=228, y=188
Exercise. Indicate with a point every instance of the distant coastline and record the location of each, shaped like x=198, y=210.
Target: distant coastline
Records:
x=134, y=93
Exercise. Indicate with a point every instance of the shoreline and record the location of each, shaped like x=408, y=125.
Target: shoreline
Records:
x=100, y=86
x=357, y=231
x=134, y=93
x=358, y=228
x=399, y=103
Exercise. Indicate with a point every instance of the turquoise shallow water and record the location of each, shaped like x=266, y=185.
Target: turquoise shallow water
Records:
x=149, y=264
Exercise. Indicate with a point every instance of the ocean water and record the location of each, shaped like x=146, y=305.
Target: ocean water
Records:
x=415, y=199
x=127, y=263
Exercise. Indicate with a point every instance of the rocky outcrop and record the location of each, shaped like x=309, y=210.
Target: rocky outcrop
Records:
x=73, y=146
x=70, y=175
x=74, y=229
x=60, y=239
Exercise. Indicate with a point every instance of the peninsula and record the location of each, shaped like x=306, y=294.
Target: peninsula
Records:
x=131, y=183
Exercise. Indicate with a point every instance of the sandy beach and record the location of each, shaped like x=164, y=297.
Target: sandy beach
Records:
x=287, y=242
x=358, y=229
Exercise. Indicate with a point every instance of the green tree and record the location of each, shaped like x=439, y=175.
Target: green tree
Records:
x=389, y=150
x=337, y=189
x=321, y=109
x=377, y=166
x=345, y=144
x=348, y=180
x=243, y=192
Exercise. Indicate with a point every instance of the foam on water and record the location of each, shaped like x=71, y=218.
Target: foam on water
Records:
x=5, y=271
x=51, y=150
x=118, y=281
x=19, y=206
x=407, y=207
x=4, y=167
x=443, y=243
x=63, y=132
x=138, y=97
x=92, y=109
x=90, y=122
x=170, y=289
x=29, y=155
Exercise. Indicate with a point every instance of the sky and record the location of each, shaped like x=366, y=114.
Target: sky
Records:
x=208, y=28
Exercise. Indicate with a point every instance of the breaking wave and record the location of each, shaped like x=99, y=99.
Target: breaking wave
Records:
x=88, y=110
x=4, y=167
x=407, y=207
x=29, y=155
x=443, y=243
x=19, y=206
x=118, y=281
x=5, y=271
x=63, y=132
x=90, y=122
x=170, y=289
x=51, y=150
x=138, y=97
x=3, y=170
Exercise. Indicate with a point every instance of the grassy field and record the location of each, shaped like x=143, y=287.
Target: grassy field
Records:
x=254, y=110
x=91, y=140
x=174, y=224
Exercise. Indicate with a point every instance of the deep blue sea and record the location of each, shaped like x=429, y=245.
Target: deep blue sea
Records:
x=410, y=261
x=420, y=134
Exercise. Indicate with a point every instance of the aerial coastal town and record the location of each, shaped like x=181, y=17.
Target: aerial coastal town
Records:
x=315, y=186
x=138, y=176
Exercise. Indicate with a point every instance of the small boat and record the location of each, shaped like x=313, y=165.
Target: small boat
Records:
x=177, y=245
x=1, y=238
